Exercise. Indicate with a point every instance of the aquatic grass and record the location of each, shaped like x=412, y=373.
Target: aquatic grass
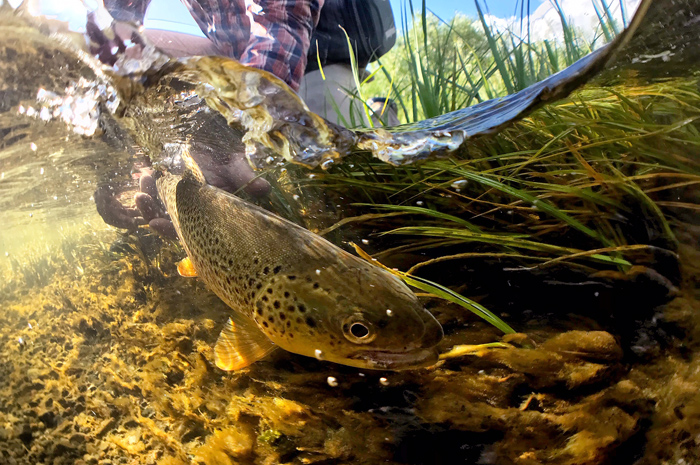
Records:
x=510, y=241
x=589, y=182
x=561, y=186
x=441, y=292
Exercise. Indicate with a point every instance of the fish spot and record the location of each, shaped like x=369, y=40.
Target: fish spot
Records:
x=291, y=277
x=265, y=324
x=276, y=304
x=291, y=336
x=256, y=260
x=290, y=308
x=264, y=298
x=301, y=308
x=271, y=319
x=258, y=286
x=289, y=324
x=266, y=270
x=260, y=311
x=316, y=285
x=286, y=294
x=311, y=322
x=277, y=269
x=283, y=316
x=269, y=290
x=298, y=320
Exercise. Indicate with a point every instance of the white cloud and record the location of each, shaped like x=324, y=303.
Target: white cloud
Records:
x=73, y=12
x=545, y=22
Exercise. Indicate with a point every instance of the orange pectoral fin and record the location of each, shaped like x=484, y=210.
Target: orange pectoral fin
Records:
x=240, y=344
x=186, y=268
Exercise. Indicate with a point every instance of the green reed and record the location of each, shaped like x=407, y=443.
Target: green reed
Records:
x=590, y=181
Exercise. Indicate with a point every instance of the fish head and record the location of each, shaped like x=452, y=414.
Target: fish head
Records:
x=361, y=316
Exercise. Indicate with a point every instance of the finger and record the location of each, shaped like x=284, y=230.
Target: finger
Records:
x=163, y=227
x=242, y=175
x=114, y=213
x=147, y=185
x=103, y=46
x=148, y=206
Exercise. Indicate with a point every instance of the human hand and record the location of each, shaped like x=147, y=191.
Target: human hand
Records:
x=148, y=209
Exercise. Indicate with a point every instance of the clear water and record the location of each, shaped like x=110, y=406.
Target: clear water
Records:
x=106, y=353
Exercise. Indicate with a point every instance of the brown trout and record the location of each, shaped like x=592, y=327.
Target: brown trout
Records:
x=291, y=288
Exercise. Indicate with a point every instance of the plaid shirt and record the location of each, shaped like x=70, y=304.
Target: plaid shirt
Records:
x=273, y=35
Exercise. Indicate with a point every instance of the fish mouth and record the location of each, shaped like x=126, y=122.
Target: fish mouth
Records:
x=423, y=354
x=396, y=361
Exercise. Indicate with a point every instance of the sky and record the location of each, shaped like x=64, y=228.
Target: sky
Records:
x=447, y=9
x=545, y=20
x=545, y=23
x=172, y=10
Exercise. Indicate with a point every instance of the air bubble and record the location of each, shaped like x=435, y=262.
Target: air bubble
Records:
x=365, y=241
x=33, y=147
x=459, y=184
x=389, y=312
x=420, y=203
x=295, y=197
x=318, y=353
x=327, y=164
x=318, y=272
x=383, y=381
x=332, y=382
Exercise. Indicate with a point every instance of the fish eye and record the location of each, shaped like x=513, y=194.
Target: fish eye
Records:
x=358, y=330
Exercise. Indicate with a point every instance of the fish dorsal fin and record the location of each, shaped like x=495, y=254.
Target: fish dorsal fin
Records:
x=240, y=344
x=186, y=268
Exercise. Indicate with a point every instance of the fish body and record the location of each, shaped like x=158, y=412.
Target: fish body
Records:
x=291, y=288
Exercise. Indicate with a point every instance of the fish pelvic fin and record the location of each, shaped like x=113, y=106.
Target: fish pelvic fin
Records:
x=186, y=268
x=240, y=344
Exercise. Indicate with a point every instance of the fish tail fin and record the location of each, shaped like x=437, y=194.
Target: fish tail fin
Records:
x=192, y=170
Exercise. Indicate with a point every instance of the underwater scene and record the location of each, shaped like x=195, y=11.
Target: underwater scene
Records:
x=494, y=261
